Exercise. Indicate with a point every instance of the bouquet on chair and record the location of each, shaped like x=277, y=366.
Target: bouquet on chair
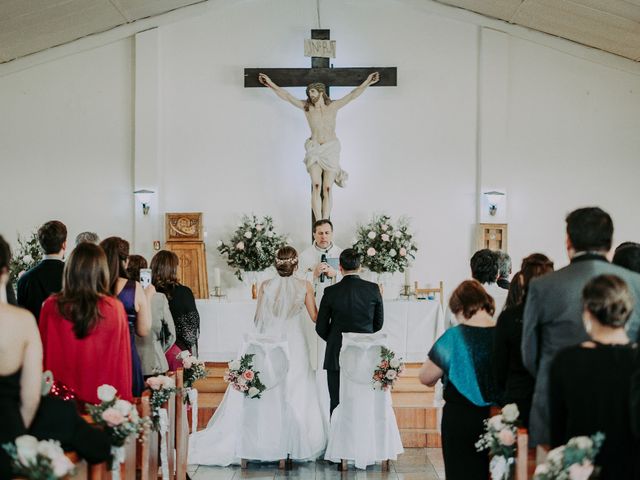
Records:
x=38, y=460
x=388, y=370
x=193, y=369
x=244, y=378
x=571, y=461
x=161, y=389
x=118, y=417
x=500, y=439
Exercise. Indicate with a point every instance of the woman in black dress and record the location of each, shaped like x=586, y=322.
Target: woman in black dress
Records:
x=462, y=358
x=589, y=384
x=510, y=374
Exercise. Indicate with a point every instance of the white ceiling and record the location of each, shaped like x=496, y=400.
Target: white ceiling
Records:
x=609, y=25
x=29, y=26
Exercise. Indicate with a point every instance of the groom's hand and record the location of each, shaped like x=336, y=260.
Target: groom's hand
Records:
x=330, y=272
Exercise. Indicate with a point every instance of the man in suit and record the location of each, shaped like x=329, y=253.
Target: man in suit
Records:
x=35, y=285
x=553, y=309
x=351, y=305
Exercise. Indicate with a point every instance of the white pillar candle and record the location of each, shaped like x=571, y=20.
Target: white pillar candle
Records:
x=407, y=276
x=216, y=277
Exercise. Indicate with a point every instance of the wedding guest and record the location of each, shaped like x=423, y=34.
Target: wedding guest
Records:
x=485, y=268
x=589, y=383
x=84, y=329
x=627, y=255
x=553, y=312
x=462, y=358
x=90, y=237
x=504, y=269
x=21, y=352
x=153, y=347
x=35, y=285
x=511, y=376
x=515, y=293
x=164, y=275
x=135, y=299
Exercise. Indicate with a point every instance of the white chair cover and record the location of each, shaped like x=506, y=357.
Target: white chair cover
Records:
x=265, y=421
x=363, y=426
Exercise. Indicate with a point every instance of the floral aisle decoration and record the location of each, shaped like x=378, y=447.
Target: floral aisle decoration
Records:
x=573, y=461
x=253, y=245
x=38, y=460
x=120, y=419
x=243, y=378
x=192, y=371
x=500, y=439
x=385, y=246
x=26, y=256
x=162, y=387
x=388, y=370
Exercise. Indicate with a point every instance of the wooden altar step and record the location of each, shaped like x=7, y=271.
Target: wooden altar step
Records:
x=418, y=420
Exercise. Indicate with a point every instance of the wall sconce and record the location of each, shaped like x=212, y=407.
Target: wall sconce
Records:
x=144, y=196
x=493, y=198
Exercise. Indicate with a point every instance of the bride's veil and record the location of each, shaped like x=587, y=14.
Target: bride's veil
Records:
x=281, y=299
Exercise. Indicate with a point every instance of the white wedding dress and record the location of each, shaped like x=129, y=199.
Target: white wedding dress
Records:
x=280, y=313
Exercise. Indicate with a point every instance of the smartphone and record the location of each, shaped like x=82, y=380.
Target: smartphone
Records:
x=145, y=277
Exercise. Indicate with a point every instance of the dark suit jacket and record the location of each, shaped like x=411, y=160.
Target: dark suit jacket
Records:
x=35, y=286
x=553, y=320
x=351, y=305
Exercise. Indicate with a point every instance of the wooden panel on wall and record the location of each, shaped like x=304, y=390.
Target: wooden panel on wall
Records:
x=492, y=236
x=192, y=270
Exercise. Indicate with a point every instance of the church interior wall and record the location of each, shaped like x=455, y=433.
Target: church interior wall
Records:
x=474, y=107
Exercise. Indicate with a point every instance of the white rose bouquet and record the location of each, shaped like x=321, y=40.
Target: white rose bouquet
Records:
x=27, y=255
x=385, y=247
x=38, y=460
x=573, y=461
x=243, y=378
x=193, y=369
x=388, y=370
x=500, y=439
x=118, y=417
x=253, y=246
x=161, y=389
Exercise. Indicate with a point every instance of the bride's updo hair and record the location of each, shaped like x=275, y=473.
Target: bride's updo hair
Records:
x=286, y=261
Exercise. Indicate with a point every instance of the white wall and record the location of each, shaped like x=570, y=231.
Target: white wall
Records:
x=476, y=105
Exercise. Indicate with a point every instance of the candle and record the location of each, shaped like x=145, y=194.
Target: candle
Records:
x=407, y=276
x=216, y=277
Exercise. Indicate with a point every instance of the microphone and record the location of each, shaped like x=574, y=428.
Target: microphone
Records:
x=323, y=259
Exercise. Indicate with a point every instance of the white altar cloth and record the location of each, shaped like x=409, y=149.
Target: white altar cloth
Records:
x=411, y=327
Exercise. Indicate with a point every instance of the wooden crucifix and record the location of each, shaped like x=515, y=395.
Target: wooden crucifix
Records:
x=323, y=147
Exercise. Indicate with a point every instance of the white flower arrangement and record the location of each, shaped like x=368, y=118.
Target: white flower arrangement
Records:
x=161, y=389
x=193, y=369
x=27, y=255
x=500, y=439
x=388, y=370
x=244, y=378
x=253, y=245
x=385, y=247
x=573, y=461
x=38, y=460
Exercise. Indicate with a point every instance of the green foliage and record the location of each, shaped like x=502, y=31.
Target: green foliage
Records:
x=26, y=256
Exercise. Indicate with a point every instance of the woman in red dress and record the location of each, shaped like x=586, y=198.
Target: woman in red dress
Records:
x=84, y=330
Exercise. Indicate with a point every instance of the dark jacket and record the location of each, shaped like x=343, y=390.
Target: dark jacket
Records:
x=35, y=286
x=351, y=305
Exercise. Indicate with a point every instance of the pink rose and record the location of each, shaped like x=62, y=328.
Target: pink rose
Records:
x=154, y=383
x=403, y=252
x=385, y=237
x=167, y=382
x=384, y=364
x=240, y=246
x=580, y=471
x=248, y=375
x=113, y=417
x=187, y=363
x=507, y=438
x=371, y=251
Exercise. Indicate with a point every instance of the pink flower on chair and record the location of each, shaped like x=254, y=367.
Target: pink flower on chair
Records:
x=580, y=471
x=248, y=375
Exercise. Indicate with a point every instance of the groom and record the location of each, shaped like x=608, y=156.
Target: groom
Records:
x=351, y=305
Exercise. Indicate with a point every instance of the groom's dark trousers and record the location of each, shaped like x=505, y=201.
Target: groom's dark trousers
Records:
x=351, y=305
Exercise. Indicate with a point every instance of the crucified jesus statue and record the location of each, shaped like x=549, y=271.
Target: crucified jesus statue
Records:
x=322, y=157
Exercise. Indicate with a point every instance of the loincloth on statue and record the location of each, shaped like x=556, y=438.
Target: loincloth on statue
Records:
x=327, y=157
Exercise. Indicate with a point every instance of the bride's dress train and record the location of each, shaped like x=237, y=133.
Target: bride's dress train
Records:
x=281, y=314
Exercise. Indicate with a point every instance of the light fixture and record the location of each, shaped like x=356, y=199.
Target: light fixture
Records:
x=144, y=196
x=493, y=197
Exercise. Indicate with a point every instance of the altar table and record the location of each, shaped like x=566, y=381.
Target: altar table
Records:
x=412, y=327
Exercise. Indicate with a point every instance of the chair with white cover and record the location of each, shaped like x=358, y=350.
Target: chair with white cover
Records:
x=264, y=426
x=363, y=426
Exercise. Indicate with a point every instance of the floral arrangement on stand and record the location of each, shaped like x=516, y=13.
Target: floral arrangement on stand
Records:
x=38, y=460
x=161, y=389
x=27, y=255
x=193, y=369
x=385, y=246
x=388, y=370
x=573, y=461
x=500, y=439
x=253, y=245
x=244, y=378
x=118, y=417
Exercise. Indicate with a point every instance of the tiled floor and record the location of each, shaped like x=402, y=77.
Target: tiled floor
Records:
x=414, y=464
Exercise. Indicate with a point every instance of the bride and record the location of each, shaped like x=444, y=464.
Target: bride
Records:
x=285, y=305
